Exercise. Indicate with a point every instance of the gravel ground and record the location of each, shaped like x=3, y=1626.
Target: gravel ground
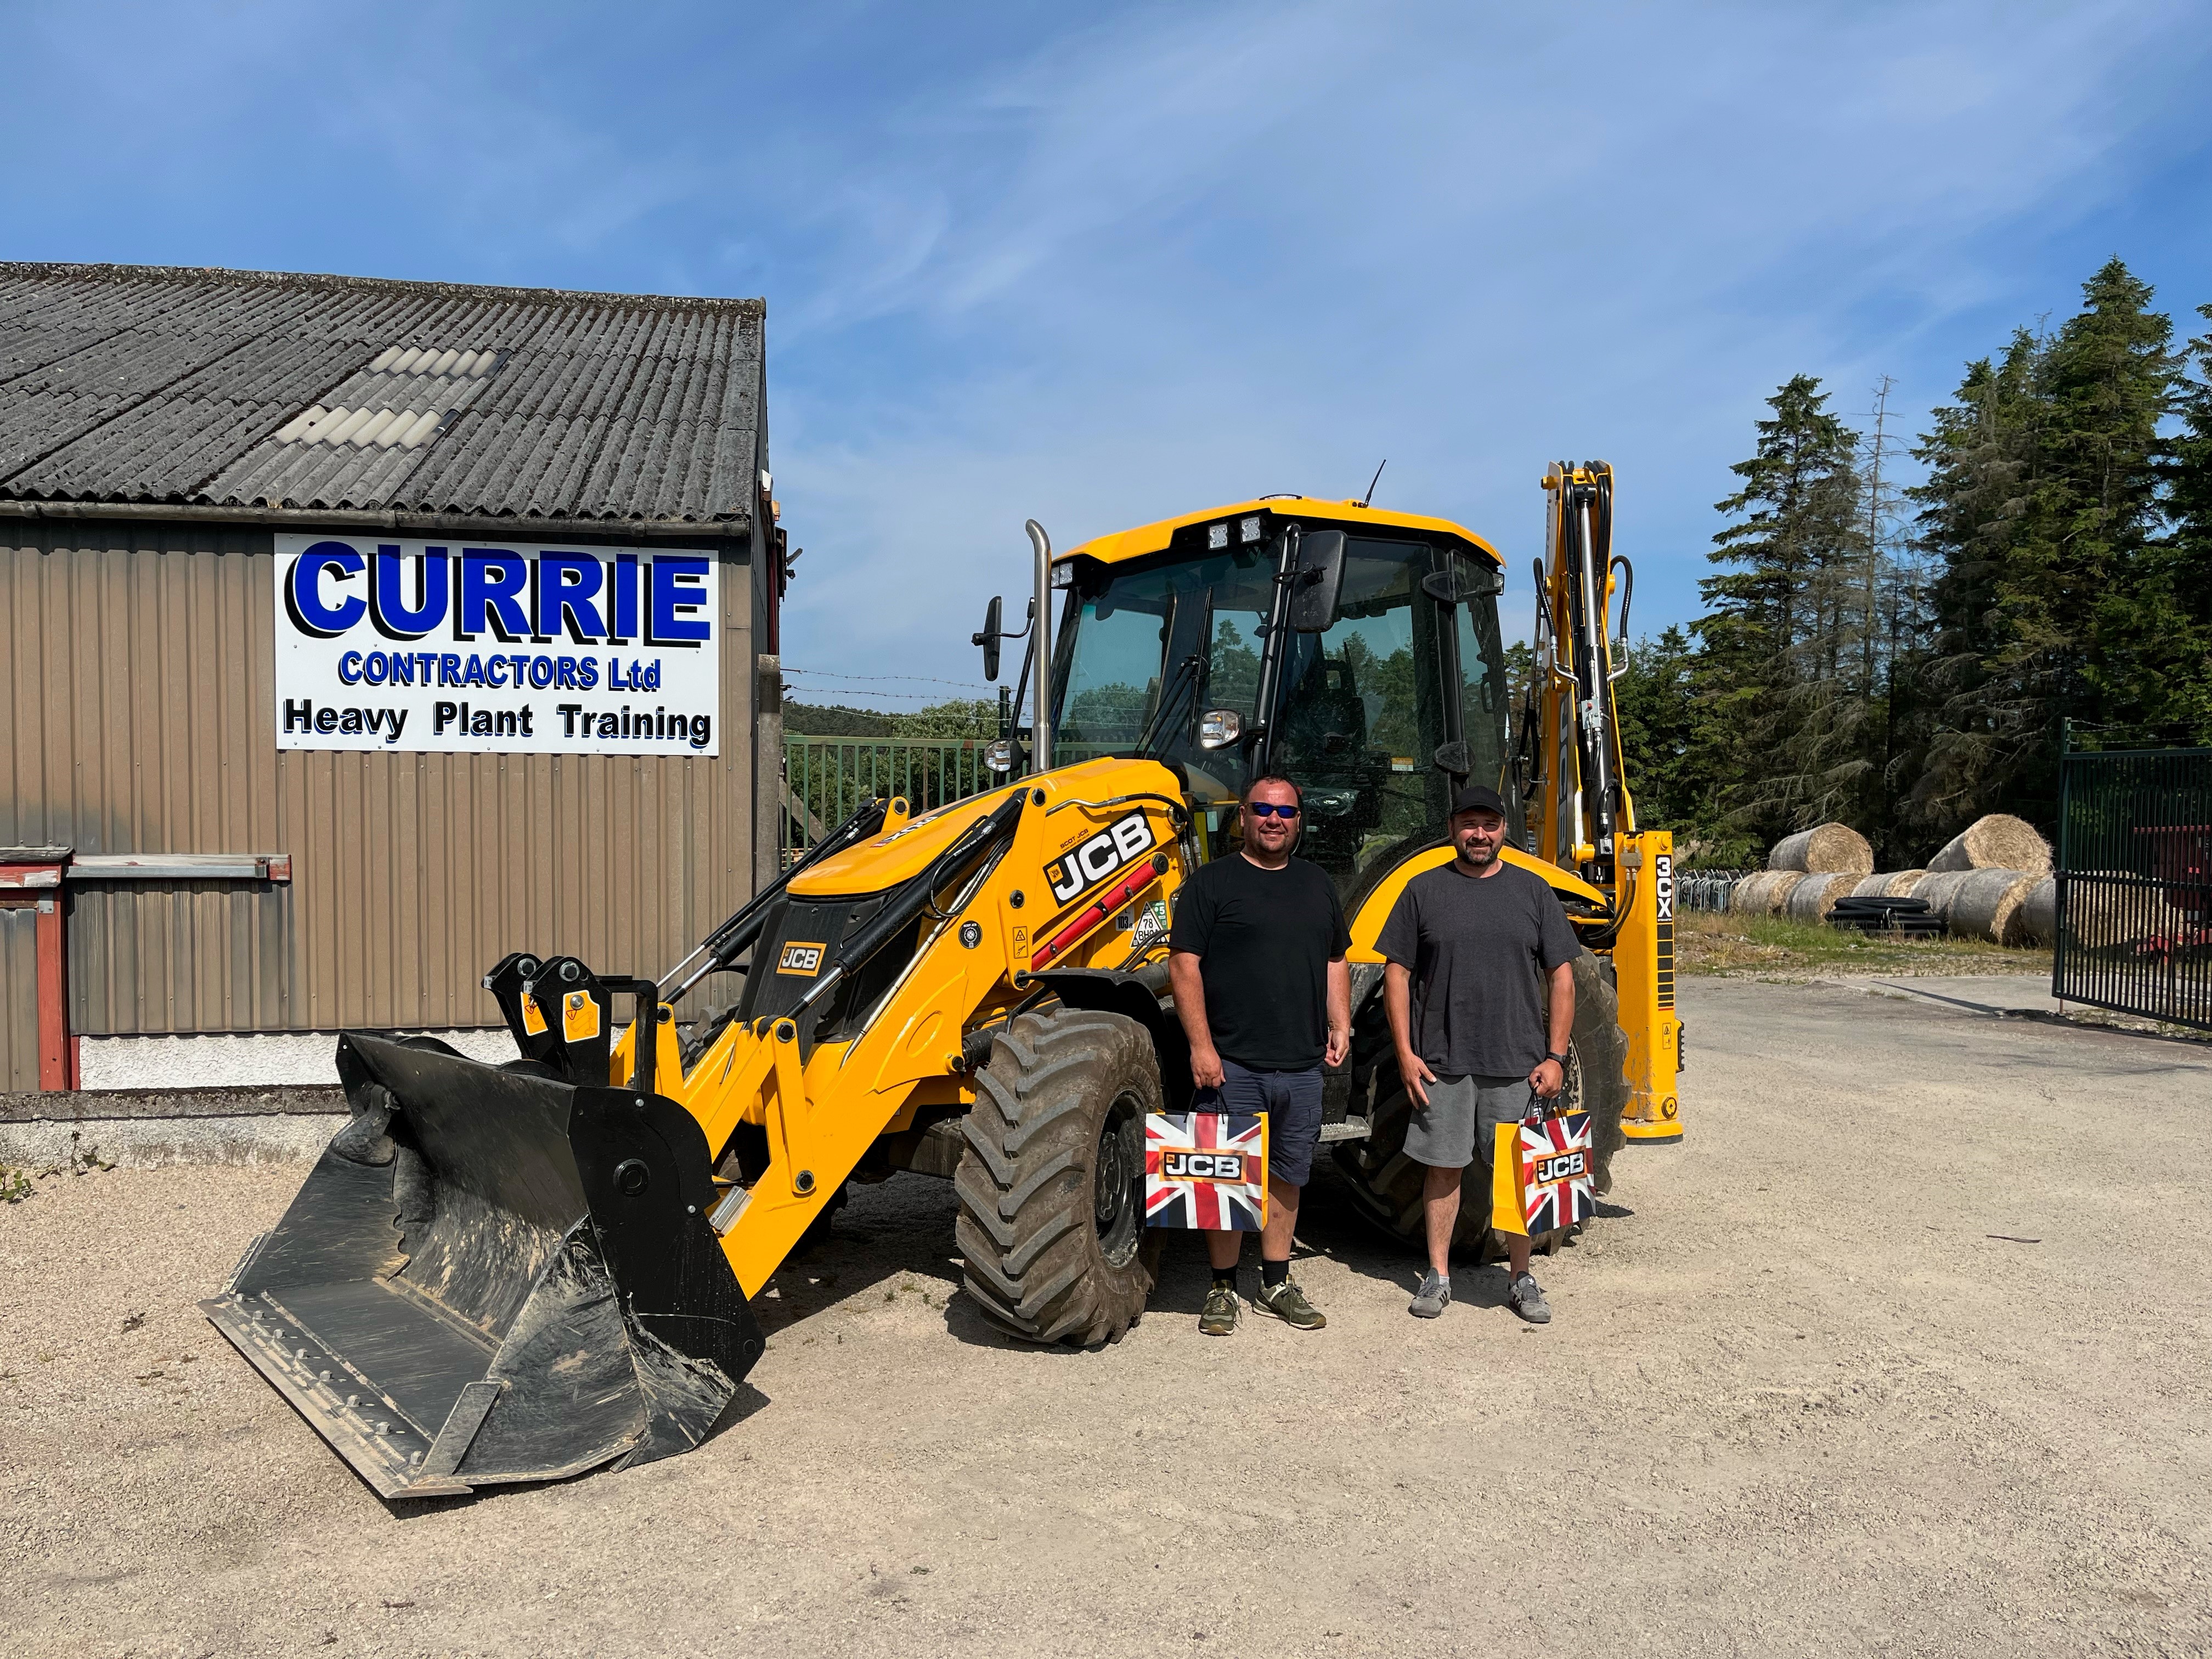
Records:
x=1903, y=1350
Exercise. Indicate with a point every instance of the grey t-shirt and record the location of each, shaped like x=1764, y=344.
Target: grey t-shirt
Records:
x=1477, y=947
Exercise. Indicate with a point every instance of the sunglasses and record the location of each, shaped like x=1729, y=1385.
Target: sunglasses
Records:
x=1263, y=809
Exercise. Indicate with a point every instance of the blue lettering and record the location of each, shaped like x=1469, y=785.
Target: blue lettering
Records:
x=449, y=669
x=566, y=668
x=496, y=670
x=349, y=668
x=566, y=585
x=473, y=674
x=388, y=610
x=303, y=595
x=625, y=600
x=492, y=583
x=651, y=681
x=587, y=673
x=541, y=671
x=376, y=668
x=677, y=584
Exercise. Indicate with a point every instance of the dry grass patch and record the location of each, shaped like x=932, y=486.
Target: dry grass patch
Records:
x=1708, y=943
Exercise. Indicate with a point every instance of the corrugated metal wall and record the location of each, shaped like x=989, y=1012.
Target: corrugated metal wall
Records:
x=138, y=664
x=19, y=998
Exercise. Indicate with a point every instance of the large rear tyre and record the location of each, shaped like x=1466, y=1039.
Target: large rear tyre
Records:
x=1051, y=1182
x=1386, y=1184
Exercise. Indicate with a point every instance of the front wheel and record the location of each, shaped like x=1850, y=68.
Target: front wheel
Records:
x=1051, y=1182
x=1386, y=1184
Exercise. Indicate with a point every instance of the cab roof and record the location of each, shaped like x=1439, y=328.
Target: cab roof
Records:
x=1156, y=537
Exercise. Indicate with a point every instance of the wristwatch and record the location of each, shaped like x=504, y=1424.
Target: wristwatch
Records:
x=1562, y=1058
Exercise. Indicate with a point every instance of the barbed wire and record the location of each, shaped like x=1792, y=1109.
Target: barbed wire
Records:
x=917, y=679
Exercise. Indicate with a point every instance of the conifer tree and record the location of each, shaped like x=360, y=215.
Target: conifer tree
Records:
x=2042, y=500
x=1779, y=639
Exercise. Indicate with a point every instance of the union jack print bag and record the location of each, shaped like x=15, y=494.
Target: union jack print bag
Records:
x=1541, y=1175
x=1206, y=1170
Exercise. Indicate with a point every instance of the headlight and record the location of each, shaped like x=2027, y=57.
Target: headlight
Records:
x=1219, y=727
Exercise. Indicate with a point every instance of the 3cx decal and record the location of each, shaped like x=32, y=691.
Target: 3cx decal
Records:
x=1662, y=884
x=801, y=959
x=1095, y=860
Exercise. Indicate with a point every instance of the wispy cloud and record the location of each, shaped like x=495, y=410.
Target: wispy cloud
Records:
x=1108, y=267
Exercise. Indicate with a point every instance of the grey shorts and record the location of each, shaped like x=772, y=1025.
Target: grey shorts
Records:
x=1459, y=1126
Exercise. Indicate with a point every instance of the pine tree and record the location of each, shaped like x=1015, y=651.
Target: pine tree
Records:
x=2042, y=501
x=1781, y=663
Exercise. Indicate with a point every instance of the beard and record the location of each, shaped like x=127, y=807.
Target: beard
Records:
x=1476, y=855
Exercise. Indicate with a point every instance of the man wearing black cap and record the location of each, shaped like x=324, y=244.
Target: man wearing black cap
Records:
x=1467, y=946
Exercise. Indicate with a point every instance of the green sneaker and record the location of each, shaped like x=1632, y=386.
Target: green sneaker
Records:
x=1219, y=1316
x=1288, y=1304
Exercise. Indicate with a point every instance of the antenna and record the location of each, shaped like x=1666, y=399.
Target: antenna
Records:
x=1372, y=482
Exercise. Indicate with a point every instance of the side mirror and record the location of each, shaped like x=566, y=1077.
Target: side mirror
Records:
x=1462, y=580
x=999, y=754
x=1319, y=577
x=1455, y=758
x=994, y=615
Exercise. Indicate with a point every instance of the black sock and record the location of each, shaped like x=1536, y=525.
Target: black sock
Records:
x=1273, y=1273
x=1226, y=1277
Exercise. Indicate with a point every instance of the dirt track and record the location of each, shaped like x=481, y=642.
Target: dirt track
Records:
x=1797, y=1400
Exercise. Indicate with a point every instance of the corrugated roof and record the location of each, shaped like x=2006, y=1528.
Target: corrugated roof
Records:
x=144, y=384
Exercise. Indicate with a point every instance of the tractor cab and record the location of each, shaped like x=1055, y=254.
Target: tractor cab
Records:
x=1355, y=650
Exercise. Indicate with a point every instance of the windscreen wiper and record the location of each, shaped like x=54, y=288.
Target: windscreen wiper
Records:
x=1185, y=678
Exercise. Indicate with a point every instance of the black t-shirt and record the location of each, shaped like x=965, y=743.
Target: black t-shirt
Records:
x=1475, y=945
x=1264, y=939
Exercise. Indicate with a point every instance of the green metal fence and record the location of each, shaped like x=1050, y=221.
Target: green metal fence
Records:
x=826, y=779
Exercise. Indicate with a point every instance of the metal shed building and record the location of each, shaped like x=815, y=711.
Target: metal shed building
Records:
x=234, y=508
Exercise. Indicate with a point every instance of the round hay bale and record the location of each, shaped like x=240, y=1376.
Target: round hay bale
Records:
x=1825, y=847
x=2100, y=918
x=1986, y=901
x=2037, y=922
x=1811, y=899
x=1884, y=884
x=1999, y=841
x=1763, y=893
x=1939, y=887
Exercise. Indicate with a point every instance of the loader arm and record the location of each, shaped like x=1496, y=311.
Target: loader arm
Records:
x=1581, y=814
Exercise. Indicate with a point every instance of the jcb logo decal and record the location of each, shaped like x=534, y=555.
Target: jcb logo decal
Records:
x=1099, y=857
x=802, y=959
x=1202, y=1166
x=1565, y=1167
x=1662, y=884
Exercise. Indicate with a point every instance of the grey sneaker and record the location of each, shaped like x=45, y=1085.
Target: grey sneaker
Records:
x=1527, y=1299
x=1219, y=1315
x=1432, y=1298
x=1288, y=1304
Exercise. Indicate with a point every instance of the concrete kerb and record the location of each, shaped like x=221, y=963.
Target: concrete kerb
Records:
x=153, y=1128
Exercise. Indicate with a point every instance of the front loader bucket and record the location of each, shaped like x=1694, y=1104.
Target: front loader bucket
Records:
x=492, y=1274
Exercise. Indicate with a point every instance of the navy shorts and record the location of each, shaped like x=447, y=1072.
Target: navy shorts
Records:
x=1292, y=1104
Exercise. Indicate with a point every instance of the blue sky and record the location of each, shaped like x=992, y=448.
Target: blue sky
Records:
x=1102, y=266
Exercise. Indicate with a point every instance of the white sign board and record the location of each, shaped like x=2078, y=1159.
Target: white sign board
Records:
x=448, y=648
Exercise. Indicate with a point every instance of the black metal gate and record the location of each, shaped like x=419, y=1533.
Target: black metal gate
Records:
x=2135, y=884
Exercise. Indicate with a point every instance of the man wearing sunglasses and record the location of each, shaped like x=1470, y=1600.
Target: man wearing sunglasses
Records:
x=1264, y=997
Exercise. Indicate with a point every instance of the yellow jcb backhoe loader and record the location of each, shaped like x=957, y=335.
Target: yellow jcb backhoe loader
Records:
x=511, y=1273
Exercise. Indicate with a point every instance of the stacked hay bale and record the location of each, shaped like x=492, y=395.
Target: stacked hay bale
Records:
x=1813, y=898
x=2038, y=922
x=1806, y=874
x=1763, y=893
x=1888, y=883
x=1986, y=904
x=1999, y=841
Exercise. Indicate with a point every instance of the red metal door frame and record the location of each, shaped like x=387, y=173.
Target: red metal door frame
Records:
x=25, y=885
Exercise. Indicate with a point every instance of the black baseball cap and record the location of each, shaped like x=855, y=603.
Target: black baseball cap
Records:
x=1477, y=795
